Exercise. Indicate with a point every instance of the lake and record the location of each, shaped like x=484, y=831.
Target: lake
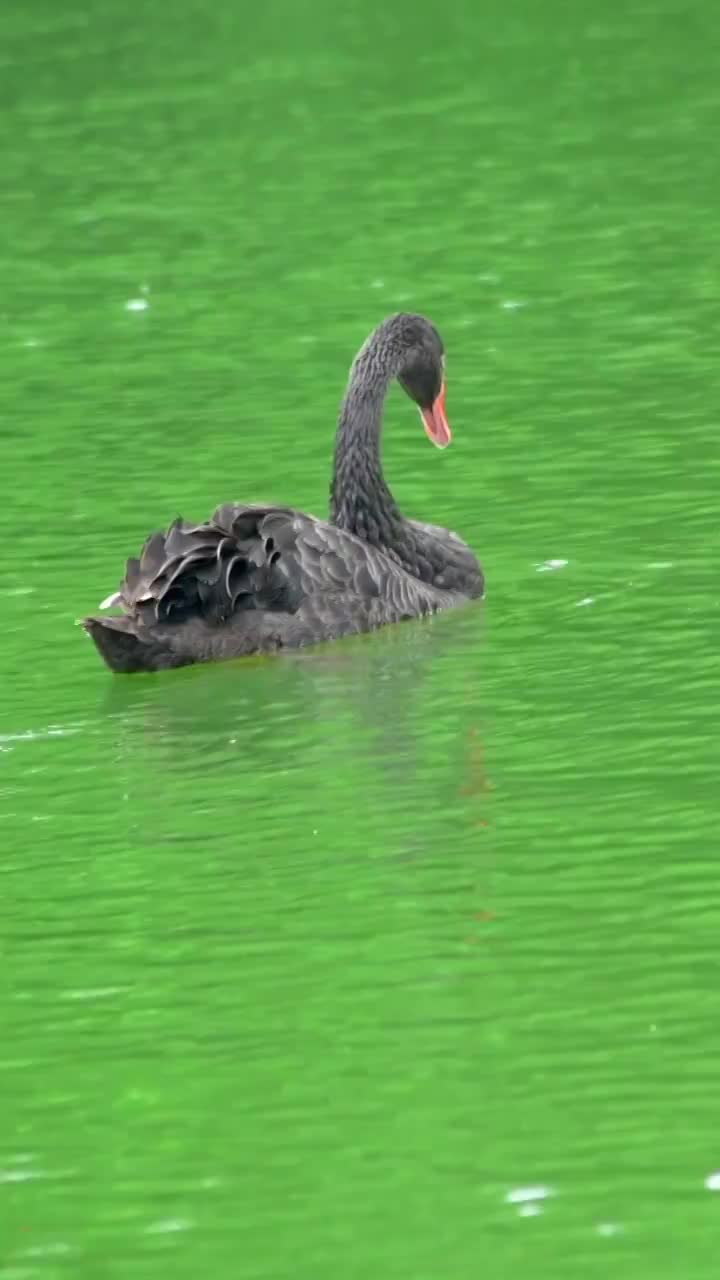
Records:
x=395, y=958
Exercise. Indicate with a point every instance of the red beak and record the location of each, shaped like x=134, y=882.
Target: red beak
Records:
x=436, y=423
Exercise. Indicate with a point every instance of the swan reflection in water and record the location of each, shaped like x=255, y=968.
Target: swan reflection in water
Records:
x=371, y=718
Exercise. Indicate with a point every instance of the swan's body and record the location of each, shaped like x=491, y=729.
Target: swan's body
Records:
x=256, y=579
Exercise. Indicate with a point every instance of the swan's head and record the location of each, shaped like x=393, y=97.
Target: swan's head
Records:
x=422, y=374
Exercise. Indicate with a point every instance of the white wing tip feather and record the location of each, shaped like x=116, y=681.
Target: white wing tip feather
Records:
x=111, y=600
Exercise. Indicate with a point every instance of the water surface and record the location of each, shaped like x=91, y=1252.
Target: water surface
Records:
x=395, y=958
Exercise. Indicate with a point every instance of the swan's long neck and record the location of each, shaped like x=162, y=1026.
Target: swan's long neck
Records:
x=360, y=500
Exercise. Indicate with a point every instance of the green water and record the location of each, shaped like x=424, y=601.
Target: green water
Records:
x=311, y=967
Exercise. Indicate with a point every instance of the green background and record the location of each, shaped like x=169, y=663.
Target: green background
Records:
x=310, y=965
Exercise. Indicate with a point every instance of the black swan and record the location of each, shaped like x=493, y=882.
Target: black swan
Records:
x=257, y=579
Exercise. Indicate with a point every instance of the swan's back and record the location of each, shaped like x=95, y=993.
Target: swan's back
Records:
x=252, y=580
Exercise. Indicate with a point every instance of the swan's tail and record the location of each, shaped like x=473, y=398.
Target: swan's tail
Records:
x=123, y=650
x=191, y=584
